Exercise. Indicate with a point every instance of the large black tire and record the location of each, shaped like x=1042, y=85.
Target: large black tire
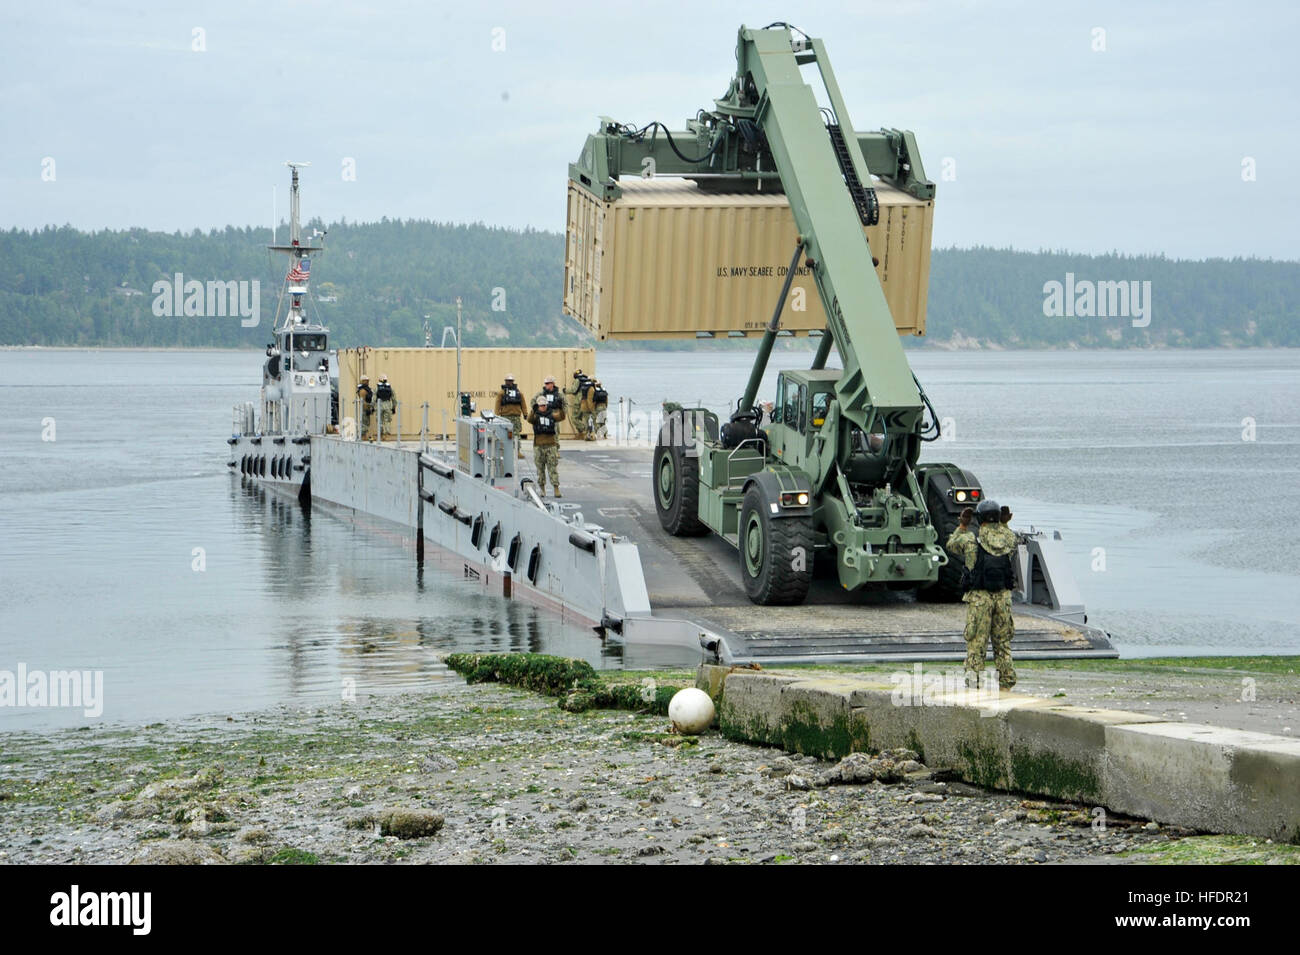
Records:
x=772, y=566
x=947, y=589
x=675, y=484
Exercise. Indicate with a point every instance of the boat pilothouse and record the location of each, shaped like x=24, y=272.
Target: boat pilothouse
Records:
x=271, y=441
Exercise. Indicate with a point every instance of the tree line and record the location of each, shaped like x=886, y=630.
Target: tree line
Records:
x=382, y=282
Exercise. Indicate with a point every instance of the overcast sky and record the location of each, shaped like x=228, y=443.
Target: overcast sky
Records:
x=1137, y=147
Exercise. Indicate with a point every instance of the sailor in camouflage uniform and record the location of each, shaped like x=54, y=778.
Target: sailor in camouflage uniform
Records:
x=545, y=418
x=988, y=560
x=510, y=405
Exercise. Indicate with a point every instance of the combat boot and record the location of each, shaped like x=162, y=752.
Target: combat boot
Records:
x=557, y=491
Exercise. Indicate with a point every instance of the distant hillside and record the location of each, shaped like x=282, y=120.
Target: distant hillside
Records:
x=997, y=296
x=377, y=281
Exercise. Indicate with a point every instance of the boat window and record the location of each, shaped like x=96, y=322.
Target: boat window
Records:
x=308, y=342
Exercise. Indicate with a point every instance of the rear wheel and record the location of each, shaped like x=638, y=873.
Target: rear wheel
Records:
x=676, y=479
x=776, y=554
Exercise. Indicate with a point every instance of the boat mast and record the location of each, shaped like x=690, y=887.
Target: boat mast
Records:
x=293, y=201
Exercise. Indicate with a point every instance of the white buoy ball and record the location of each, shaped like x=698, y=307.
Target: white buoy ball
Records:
x=691, y=711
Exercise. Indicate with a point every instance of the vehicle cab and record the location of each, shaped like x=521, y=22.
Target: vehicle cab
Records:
x=805, y=400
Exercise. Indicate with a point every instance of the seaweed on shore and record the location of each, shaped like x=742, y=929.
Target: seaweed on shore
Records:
x=576, y=682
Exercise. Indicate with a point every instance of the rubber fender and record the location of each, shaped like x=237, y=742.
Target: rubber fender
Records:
x=583, y=541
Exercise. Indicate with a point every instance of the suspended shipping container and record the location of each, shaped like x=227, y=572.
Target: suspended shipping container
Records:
x=667, y=260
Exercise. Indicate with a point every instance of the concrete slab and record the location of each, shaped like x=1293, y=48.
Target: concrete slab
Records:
x=1189, y=775
x=1205, y=777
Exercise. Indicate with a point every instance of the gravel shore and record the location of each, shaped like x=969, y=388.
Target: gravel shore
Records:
x=489, y=773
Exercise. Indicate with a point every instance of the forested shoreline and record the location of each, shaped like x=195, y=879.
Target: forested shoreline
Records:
x=381, y=282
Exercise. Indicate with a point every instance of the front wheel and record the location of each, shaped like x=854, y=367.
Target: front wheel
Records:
x=776, y=553
x=676, y=490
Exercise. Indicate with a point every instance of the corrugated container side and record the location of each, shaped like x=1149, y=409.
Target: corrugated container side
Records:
x=668, y=261
x=429, y=374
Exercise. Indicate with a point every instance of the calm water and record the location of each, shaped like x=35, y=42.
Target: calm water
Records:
x=1139, y=455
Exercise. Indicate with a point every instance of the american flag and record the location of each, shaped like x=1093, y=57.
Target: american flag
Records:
x=301, y=271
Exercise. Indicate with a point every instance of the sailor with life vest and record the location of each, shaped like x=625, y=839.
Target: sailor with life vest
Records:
x=367, y=396
x=595, y=403
x=386, y=402
x=510, y=405
x=545, y=415
x=578, y=389
x=988, y=557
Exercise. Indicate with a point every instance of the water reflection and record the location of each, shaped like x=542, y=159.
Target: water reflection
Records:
x=352, y=606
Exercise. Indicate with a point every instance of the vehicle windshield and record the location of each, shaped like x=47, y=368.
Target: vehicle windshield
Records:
x=820, y=403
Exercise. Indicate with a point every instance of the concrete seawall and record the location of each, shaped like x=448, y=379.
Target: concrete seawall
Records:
x=1184, y=774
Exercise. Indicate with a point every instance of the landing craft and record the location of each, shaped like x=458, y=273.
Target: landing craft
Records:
x=831, y=480
x=271, y=441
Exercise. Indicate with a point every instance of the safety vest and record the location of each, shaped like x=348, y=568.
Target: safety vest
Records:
x=385, y=391
x=545, y=425
x=991, y=572
x=601, y=397
x=510, y=395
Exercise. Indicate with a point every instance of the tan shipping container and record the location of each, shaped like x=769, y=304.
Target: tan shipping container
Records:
x=667, y=260
x=429, y=374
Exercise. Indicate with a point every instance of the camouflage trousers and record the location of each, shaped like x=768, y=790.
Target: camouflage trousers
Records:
x=385, y=418
x=517, y=426
x=366, y=415
x=586, y=422
x=547, y=456
x=988, y=619
x=601, y=432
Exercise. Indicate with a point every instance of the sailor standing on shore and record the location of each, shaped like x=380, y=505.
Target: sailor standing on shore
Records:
x=988, y=558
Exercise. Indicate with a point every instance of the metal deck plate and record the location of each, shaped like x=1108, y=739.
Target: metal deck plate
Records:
x=698, y=578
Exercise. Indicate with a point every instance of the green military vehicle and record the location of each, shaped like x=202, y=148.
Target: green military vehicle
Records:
x=832, y=474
